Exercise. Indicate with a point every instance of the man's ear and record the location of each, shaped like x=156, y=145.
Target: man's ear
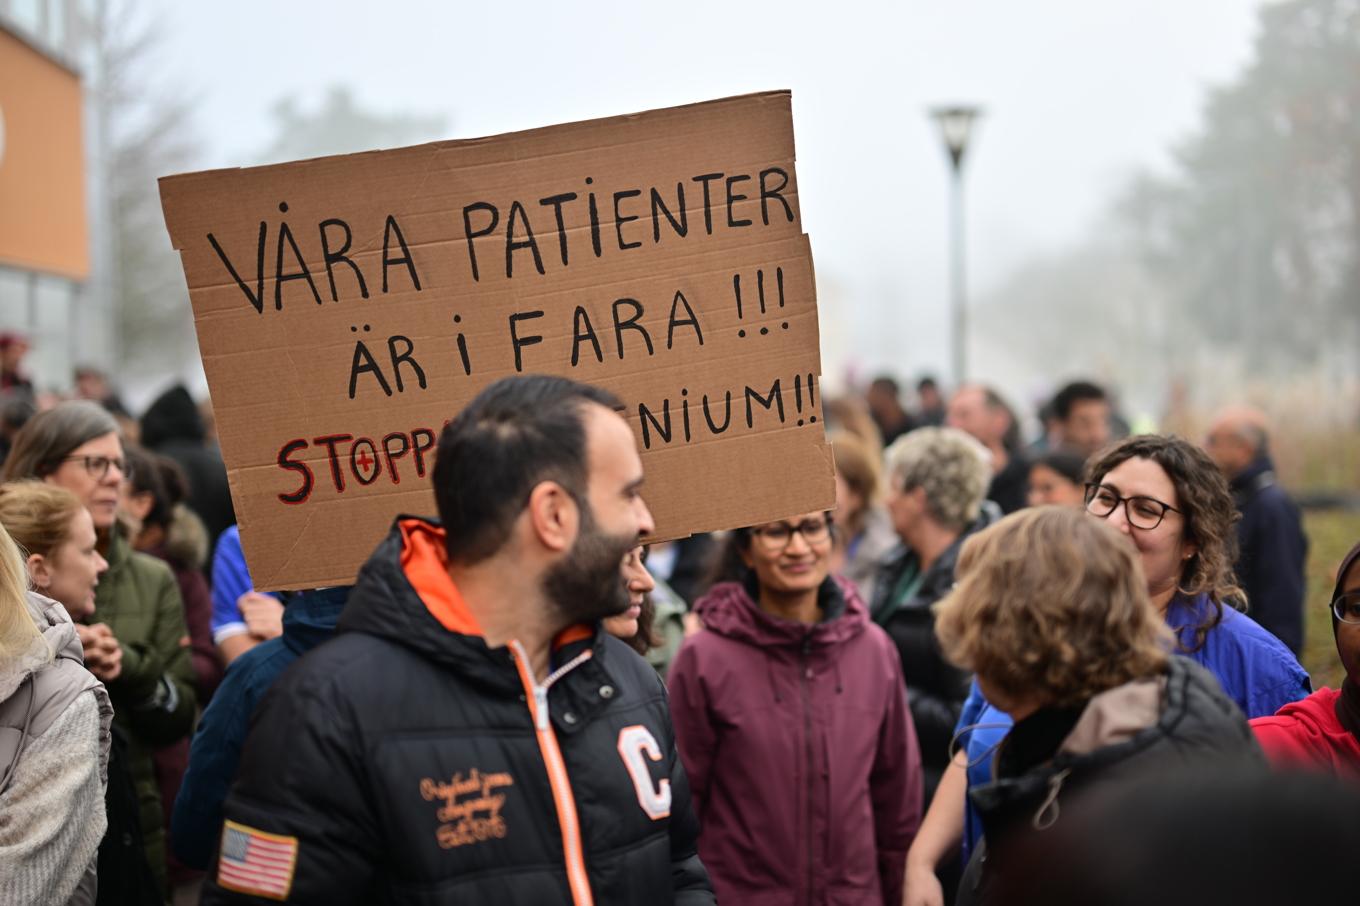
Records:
x=553, y=516
x=39, y=571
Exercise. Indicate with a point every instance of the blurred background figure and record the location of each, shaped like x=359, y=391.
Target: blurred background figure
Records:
x=980, y=411
x=1192, y=839
x=13, y=347
x=792, y=722
x=93, y=384
x=1055, y=478
x=1272, y=548
x=931, y=413
x=173, y=427
x=885, y=405
x=851, y=413
x=160, y=525
x=1322, y=732
x=864, y=534
x=15, y=410
x=1081, y=415
x=1052, y=614
x=936, y=481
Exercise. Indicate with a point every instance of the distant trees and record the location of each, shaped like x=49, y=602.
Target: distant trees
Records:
x=1255, y=237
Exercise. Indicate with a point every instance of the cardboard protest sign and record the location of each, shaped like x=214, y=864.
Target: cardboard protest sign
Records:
x=348, y=307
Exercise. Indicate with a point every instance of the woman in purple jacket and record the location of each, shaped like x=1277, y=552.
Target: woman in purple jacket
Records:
x=791, y=719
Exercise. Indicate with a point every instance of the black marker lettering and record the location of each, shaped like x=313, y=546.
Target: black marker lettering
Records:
x=517, y=209
x=332, y=258
x=406, y=259
x=519, y=342
x=768, y=192
x=468, y=232
x=256, y=298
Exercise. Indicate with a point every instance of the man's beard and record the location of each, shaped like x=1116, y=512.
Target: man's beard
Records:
x=586, y=586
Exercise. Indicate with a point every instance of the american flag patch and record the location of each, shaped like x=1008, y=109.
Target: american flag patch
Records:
x=255, y=862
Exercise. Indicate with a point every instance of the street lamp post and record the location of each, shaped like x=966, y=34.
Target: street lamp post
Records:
x=955, y=124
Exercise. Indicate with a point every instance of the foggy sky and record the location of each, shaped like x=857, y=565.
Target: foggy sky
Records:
x=1077, y=95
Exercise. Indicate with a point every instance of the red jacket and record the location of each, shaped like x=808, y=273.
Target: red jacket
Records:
x=800, y=751
x=1306, y=734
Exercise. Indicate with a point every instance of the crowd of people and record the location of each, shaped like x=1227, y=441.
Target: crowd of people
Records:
x=951, y=688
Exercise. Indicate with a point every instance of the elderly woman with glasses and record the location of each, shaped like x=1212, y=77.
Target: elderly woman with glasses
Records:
x=1322, y=732
x=1169, y=502
x=138, y=620
x=791, y=718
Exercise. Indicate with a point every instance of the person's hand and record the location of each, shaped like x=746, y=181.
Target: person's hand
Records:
x=921, y=887
x=263, y=614
x=103, y=654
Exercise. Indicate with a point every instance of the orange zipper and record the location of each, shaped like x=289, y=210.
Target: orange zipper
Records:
x=567, y=820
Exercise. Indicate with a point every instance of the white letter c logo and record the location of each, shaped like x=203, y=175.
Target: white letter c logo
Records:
x=633, y=742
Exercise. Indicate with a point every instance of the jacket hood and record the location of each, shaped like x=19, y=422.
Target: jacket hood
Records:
x=1178, y=718
x=58, y=635
x=186, y=540
x=173, y=416
x=730, y=610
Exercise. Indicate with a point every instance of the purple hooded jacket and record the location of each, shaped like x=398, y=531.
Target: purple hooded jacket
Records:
x=800, y=751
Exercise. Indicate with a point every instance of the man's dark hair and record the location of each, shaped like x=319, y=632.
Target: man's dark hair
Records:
x=926, y=383
x=514, y=434
x=1073, y=393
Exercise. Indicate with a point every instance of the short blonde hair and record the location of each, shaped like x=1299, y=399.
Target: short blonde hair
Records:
x=950, y=466
x=1052, y=605
x=38, y=515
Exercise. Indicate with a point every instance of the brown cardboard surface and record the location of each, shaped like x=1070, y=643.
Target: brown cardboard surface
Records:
x=42, y=164
x=725, y=400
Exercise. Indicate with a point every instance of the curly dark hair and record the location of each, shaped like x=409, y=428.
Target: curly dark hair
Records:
x=1207, y=506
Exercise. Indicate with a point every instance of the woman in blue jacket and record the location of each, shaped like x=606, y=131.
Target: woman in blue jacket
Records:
x=1168, y=499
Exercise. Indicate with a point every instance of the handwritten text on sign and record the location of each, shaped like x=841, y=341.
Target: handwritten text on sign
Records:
x=348, y=307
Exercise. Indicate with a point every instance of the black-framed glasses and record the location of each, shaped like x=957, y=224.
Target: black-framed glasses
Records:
x=777, y=535
x=1144, y=513
x=1346, y=607
x=98, y=466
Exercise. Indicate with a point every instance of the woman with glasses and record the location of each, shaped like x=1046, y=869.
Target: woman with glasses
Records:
x=1168, y=500
x=792, y=722
x=76, y=446
x=1322, y=732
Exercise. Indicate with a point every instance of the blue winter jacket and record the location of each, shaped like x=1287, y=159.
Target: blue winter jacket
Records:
x=1254, y=668
x=308, y=620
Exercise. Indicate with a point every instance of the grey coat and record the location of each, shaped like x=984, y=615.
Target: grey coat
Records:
x=54, y=751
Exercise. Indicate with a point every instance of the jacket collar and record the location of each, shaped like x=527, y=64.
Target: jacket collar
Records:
x=404, y=594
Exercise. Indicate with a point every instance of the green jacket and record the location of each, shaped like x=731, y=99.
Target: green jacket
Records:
x=153, y=696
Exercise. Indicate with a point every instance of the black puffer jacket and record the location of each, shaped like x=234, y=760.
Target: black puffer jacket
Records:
x=936, y=689
x=1130, y=735
x=406, y=762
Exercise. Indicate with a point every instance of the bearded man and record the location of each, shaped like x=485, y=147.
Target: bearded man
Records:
x=471, y=735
